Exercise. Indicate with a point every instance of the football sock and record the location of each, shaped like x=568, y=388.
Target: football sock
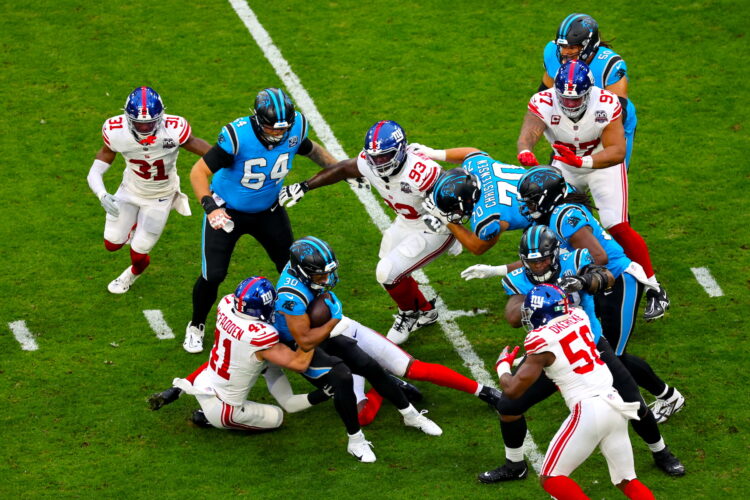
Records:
x=563, y=488
x=513, y=434
x=204, y=296
x=657, y=446
x=648, y=430
x=633, y=245
x=140, y=261
x=112, y=246
x=407, y=295
x=441, y=375
x=514, y=454
x=636, y=490
x=668, y=393
x=643, y=374
x=191, y=378
x=371, y=408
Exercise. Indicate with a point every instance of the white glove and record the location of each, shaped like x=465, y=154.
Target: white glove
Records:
x=432, y=154
x=434, y=211
x=359, y=183
x=340, y=327
x=109, y=203
x=290, y=195
x=483, y=271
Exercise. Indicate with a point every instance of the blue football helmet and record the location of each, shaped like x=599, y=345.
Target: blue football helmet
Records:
x=314, y=263
x=144, y=110
x=581, y=30
x=455, y=193
x=538, y=244
x=540, y=190
x=273, y=111
x=543, y=303
x=573, y=84
x=256, y=297
x=385, y=148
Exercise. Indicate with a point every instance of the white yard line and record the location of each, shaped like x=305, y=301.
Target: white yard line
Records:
x=305, y=103
x=709, y=284
x=158, y=324
x=23, y=335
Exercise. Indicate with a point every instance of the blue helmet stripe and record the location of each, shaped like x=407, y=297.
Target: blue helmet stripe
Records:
x=275, y=102
x=566, y=24
x=537, y=230
x=322, y=247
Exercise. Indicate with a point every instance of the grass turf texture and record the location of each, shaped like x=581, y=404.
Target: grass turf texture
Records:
x=74, y=421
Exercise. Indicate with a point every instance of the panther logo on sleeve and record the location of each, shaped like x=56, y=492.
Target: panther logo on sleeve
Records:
x=288, y=305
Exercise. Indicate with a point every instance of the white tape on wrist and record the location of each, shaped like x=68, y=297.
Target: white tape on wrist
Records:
x=438, y=154
x=502, y=368
x=587, y=162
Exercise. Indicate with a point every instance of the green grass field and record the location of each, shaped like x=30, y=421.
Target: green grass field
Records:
x=74, y=420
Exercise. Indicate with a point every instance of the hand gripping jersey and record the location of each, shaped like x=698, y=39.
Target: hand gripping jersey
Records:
x=252, y=184
x=571, y=263
x=150, y=166
x=578, y=371
x=608, y=68
x=568, y=218
x=583, y=136
x=233, y=367
x=294, y=297
x=499, y=198
x=405, y=191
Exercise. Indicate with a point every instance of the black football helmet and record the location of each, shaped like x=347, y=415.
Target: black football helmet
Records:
x=578, y=29
x=540, y=190
x=455, y=193
x=314, y=263
x=539, y=243
x=273, y=110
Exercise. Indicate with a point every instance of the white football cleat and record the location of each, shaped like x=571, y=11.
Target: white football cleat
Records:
x=418, y=420
x=665, y=408
x=405, y=323
x=123, y=282
x=194, y=338
x=360, y=448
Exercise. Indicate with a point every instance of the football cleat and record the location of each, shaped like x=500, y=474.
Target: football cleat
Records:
x=509, y=471
x=665, y=408
x=657, y=302
x=669, y=463
x=123, y=282
x=417, y=420
x=405, y=323
x=360, y=448
x=163, y=398
x=199, y=419
x=427, y=318
x=412, y=393
x=193, y=338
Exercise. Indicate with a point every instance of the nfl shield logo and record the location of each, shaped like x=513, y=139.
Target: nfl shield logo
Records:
x=555, y=119
x=600, y=116
x=293, y=141
x=406, y=188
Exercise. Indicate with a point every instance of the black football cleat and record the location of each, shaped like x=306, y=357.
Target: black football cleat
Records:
x=509, y=471
x=156, y=401
x=199, y=419
x=411, y=392
x=657, y=303
x=669, y=463
x=491, y=396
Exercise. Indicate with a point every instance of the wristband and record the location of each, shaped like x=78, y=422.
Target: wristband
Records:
x=438, y=154
x=502, y=368
x=305, y=186
x=524, y=151
x=502, y=270
x=209, y=204
x=587, y=162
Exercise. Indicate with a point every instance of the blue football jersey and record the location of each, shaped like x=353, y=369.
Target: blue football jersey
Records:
x=499, y=199
x=571, y=263
x=568, y=218
x=294, y=297
x=252, y=184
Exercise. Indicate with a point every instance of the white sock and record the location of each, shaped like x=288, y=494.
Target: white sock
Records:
x=358, y=385
x=479, y=389
x=356, y=436
x=666, y=390
x=657, y=446
x=514, y=454
x=409, y=410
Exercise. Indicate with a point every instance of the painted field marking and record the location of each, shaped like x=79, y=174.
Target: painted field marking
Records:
x=707, y=281
x=306, y=104
x=158, y=324
x=23, y=335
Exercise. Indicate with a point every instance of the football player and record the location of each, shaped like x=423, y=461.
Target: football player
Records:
x=403, y=178
x=583, y=123
x=245, y=342
x=311, y=271
x=149, y=141
x=542, y=263
x=560, y=344
x=246, y=169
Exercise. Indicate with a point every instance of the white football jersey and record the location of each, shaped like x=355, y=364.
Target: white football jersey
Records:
x=578, y=371
x=151, y=166
x=583, y=136
x=405, y=191
x=233, y=366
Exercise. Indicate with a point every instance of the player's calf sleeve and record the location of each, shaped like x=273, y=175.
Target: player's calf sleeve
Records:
x=563, y=488
x=204, y=296
x=191, y=378
x=140, y=261
x=340, y=378
x=407, y=295
x=633, y=245
x=646, y=427
x=372, y=406
x=636, y=490
x=643, y=374
x=440, y=375
x=112, y=247
x=513, y=432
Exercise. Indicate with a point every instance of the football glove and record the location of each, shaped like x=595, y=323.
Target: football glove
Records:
x=572, y=283
x=359, y=183
x=290, y=195
x=483, y=271
x=569, y=157
x=109, y=203
x=429, y=205
x=505, y=361
x=220, y=220
x=527, y=158
x=334, y=304
x=432, y=154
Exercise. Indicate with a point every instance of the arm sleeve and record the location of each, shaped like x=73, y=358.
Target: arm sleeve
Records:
x=306, y=147
x=217, y=158
x=281, y=390
x=96, y=177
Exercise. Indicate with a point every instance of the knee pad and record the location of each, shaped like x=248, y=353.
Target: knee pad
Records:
x=383, y=271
